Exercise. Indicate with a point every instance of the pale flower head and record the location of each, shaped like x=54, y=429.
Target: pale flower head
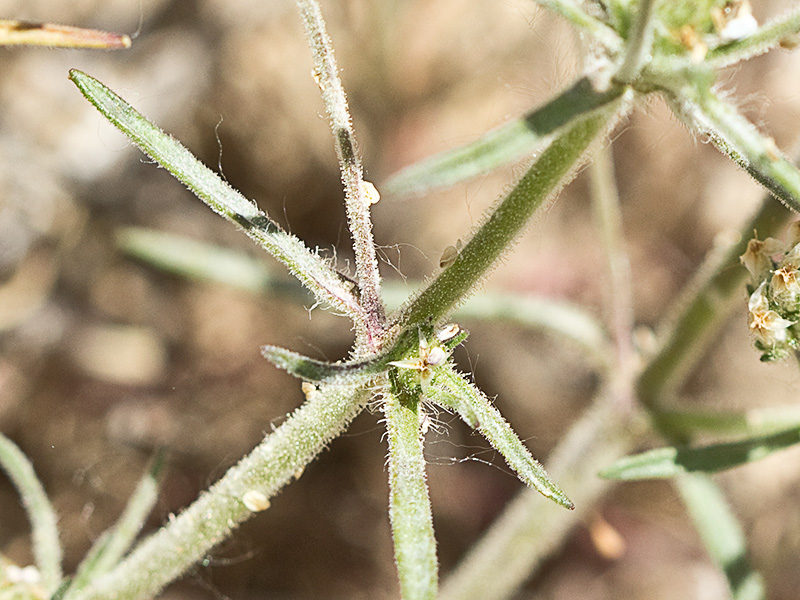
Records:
x=758, y=257
x=769, y=328
x=785, y=285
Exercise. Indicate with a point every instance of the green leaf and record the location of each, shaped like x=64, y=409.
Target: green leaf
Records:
x=769, y=36
x=721, y=533
x=409, y=503
x=318, y=371
x=198, y=259
x=320, y=278
x=453, y=392
x=740, y=140
x=114, y=543
x=46, y=545
x=506, y=144
x=671, y=461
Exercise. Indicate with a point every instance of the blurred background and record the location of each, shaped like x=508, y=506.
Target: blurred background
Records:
x=104, y=358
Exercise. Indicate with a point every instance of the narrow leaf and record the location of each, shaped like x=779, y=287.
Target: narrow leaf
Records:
x=721, y=533
x=25, y=33
x=778, y=31
x=114, y=543
x=453, y=392
x=324, y=282
x=517, y=139
x=409, y=503
x=46, y=545
x=757, y=421
x=318, y=371
x=739, y=139
x=197, y=259
x=671, y=461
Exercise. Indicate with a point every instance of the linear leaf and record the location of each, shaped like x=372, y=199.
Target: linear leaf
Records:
x=738, y=138
x=319, y=277
x=671, y=461
x=319, y=371
x=450, y=390
x=46, y=545
x=114, y=543
x=721, y=533
x=506, y=144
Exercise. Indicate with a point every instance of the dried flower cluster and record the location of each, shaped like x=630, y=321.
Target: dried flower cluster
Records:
x=774, y=304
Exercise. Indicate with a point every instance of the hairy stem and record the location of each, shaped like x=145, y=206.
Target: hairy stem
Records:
x=409, y=503
x=639, y=43
x=185, y=539
x=358, y=198
x=546, y=176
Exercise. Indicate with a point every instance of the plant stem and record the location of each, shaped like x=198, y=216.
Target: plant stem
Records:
x=619, y=300
x=528, y=532
x=546, y=176
x=326, y=74
x=409, y=503
x=44, y=532
x=598, y=30
x=703, y=308
x=187, y=538
x=639, y=43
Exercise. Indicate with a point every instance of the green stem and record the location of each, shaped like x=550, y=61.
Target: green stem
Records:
x=185, y=539
x=409, y=503
x=46, y=546
x=580, y=18
x=619, y=300
x=703, y=308
x=546, y=176
x=639, y=43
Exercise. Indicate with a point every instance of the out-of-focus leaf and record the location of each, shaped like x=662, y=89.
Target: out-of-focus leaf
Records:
x=721, y=533
x=25, y=33
x=671, y=461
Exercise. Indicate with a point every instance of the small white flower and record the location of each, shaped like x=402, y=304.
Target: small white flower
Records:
x=767, y=326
